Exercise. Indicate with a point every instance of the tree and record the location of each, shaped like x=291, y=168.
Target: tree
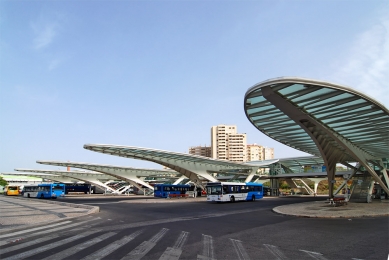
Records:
x=3, y=182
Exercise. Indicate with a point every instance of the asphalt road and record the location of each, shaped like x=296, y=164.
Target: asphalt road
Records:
x=199, y=230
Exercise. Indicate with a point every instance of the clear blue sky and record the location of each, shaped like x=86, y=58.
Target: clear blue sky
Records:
x=159, y=74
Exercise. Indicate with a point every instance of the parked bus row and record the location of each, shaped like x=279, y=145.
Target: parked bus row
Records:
x=49, y=190
x=215, y=191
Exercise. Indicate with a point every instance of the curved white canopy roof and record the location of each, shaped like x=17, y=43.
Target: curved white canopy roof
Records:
x=324, y=119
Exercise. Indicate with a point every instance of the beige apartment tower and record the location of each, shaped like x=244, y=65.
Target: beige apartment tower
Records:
x=200, y=150
x=254, y=152
x=268, y=153
x=257, y=152
x=227, y=144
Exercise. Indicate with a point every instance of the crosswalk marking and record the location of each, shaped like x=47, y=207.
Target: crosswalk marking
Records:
x=51, y=230
x=50, y=246
x=77, y=248
x=112, y=247
x=275, y=251
x=145, y=247
x=239, y=249
x=32, y=229
x=314, y=255
x=174, y=253
x=30, y=243
x=207, y=248
x=171, y=253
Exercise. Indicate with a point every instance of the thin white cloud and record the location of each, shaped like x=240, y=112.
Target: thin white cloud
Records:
x=367, y=64
x=44, y=34
x=35, y=95
x=54, y=64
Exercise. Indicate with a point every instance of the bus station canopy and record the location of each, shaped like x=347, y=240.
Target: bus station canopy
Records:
x=335, y=122
x=128, y=174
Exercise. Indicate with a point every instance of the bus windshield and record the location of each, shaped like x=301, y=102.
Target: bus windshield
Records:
x=58, y=187
x=214, y=190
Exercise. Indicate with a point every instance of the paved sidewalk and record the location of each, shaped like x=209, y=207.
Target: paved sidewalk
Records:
x=16, y=211
x=322, y=209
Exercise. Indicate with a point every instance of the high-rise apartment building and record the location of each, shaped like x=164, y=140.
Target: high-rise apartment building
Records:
x=257, y=152
x=254, y=152
x=268, y=153
x=200, y=150
x=227, y=144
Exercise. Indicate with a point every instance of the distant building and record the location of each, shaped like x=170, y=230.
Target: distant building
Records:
x=227, y=144
x=200, y=150
x=268, y=153
x=254, y=152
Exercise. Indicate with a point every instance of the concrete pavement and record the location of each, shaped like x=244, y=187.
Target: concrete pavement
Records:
x=322, y=209
x=18, y=211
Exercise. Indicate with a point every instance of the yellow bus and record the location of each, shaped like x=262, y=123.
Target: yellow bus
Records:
x=12, y=190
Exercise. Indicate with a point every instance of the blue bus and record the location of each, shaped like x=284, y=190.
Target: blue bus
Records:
x=78, y=187
x=44, y=191
x=163, y=190
x=233, y=191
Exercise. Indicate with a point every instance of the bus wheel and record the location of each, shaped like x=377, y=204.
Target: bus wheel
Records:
x=253, y=198
x=42, y=196
x=28, y=195
x=232, y=199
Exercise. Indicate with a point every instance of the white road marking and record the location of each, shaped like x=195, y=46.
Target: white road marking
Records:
x=50, y=246
x=314, y=255
x=170, y=220
x=30, y=243
x=52, y=230
x=145, y=247
x=12, y=234
x=208, y=252
x=112, y=247
x=275, y=251
x=77, y=248
x=174, y=253
x=239, y=249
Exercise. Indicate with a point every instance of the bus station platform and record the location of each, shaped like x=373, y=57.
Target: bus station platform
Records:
x=323, y=209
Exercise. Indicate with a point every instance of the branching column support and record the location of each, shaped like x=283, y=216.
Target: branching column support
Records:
x=384, y=172
x=251, y=175
x=333, y=148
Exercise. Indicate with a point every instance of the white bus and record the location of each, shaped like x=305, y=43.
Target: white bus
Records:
x=233, y=191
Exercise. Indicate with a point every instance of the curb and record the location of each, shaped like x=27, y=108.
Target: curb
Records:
x=276, y=210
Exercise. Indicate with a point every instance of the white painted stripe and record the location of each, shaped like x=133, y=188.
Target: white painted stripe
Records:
x=181, y=239
x=12, y=234
x=171, y=254
x=55, y=229
x=77, y=248
x=239, y=249
x=171, y=220
x=30, y=243
x=112, y=247
x=145, y=247
x=159, y=235
x=275, y=251
x=174, y=253
x=314, y=255
x=208, y=252
x=50, y=246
